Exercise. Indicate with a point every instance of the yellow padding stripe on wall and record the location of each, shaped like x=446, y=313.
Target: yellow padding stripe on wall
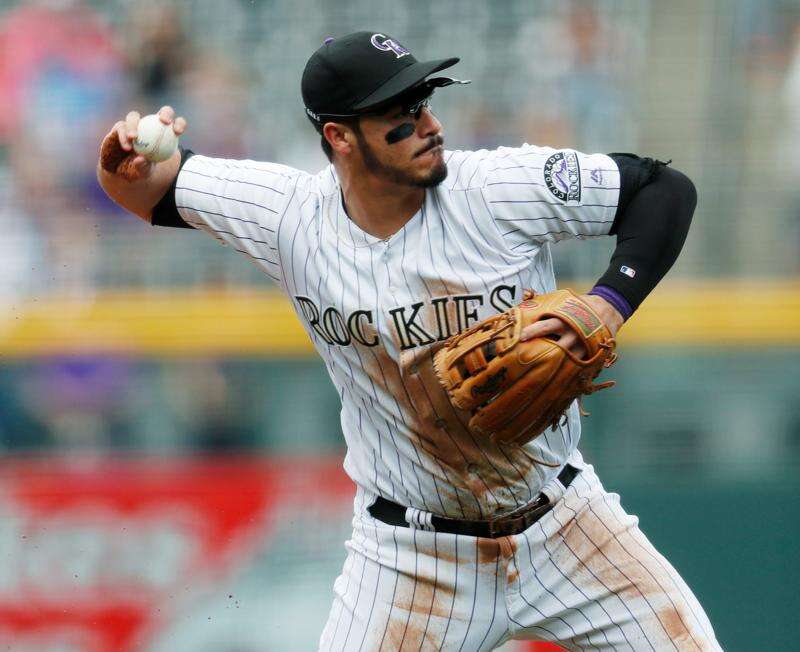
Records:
x=168, y=324
x=259, y=322
x=722, y=313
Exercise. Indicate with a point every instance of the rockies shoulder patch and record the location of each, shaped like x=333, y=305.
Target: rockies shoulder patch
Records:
x=562, y=175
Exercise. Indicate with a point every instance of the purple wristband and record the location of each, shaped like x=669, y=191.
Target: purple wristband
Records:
x=614, y=298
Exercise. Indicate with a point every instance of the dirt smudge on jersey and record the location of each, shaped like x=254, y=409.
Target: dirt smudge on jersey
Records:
x=420, y=613
x=426, y=597
x=512, y=576
x=425, y=610
x=403, y=635
x=441, y=455
x=674, y=624
x=491, y=475
x=596, y=547
x=475, y=477
x=589, y=550
x=488, y=551
x=436, y=546
x=510, y=544
x=498, y=557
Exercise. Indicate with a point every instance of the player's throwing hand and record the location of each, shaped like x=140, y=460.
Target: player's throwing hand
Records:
x=116, y=151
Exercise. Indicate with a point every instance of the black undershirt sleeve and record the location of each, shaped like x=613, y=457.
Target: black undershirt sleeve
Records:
x=165, y=212
x=654, y=212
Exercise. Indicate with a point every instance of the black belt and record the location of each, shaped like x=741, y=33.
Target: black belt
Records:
x=517, y=521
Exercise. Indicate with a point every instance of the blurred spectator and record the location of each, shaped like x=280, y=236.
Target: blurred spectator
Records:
x=595, y=92
x=582, y=71
x=485, y=127
x=213, y=413
x=159, y=52
x=767, y=104
x=203, y=82
x=765, y=31
x=79, y=401
x=21, y=428
x=61, y=80
x=54, y=56
x=216, y=96
x=21, y=252
x=787, y=142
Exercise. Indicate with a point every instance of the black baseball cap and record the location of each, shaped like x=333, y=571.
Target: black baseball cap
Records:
x=363, y=71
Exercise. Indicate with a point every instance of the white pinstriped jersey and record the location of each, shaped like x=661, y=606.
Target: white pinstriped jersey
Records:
x=376, y=309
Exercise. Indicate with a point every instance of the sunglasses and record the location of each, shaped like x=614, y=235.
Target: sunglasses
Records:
x=414, y=109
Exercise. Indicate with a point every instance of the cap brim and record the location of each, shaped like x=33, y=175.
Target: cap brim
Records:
x=402, y=81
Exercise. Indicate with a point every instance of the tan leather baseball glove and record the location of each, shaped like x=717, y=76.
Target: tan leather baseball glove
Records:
x=516, y=389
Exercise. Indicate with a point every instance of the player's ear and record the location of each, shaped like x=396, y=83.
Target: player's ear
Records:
x=340, y=137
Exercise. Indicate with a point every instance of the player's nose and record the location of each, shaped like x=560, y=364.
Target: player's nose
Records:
x=428, y=124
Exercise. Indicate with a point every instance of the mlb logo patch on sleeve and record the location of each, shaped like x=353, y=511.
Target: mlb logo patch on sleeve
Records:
x=628, y=271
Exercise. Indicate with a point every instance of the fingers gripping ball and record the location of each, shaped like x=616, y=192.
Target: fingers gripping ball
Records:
x=515, y=389
x=155, y=140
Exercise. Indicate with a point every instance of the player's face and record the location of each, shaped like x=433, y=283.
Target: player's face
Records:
x=405, y=149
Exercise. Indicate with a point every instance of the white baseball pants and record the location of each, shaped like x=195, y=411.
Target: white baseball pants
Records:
x=584, y=576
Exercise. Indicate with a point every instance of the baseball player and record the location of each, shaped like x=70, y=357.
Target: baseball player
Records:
x=459, y=542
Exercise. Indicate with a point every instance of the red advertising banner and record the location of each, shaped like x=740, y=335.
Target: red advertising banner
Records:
x=104, y=555
x=97, y=552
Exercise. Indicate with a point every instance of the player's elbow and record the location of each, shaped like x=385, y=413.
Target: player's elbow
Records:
x=680, y=189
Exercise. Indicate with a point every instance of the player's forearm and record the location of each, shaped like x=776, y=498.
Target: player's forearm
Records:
x=140, y=196
x=651, y=230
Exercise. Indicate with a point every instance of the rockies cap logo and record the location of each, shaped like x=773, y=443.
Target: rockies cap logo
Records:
x=386, y=44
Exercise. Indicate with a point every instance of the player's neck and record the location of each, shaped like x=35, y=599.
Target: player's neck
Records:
x=379, y=207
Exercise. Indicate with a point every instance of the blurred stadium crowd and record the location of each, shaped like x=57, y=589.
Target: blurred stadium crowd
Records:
x=713, y=85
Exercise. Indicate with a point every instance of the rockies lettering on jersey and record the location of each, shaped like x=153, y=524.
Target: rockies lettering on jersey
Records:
x=334, y=328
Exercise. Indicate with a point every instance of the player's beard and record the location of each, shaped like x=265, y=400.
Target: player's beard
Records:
x=432, y=178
